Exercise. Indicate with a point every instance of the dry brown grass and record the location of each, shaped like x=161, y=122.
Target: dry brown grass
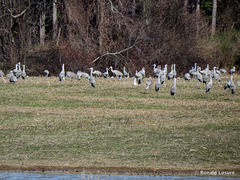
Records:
x=69, y=124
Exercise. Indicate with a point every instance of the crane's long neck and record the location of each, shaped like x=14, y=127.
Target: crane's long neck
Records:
x=91, y=72
x=174, y=81
x=63, y=67
x=24, y=68
x=159, y=78
x=19, y=66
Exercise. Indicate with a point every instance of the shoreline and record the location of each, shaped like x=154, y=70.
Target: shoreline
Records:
x=121, y=170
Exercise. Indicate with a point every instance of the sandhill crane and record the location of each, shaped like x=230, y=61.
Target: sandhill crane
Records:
x=62, y=74
x=15, y=71
x=216, y=76
x=205, y=77
x=232, y=70
x=143, y=72
x=97, y=73
x=125, y=73
x=82, y=74
x=135, y=82
x=24, y=75
x=106, y=74
x=149, y=83
x=13, y=79
x=173, y=89
x=158, y=83
x=10, y=74
x=157, y=70
x=2, y=75
x=171, y=73
x=117, y=73
x=209, y=85
x=227, y=84
x=91, y=78
x=47, y=73
x=193, y=70
x=139, y=77
x=232, y=86
x=199, y=75
x=224, y=71
x=187, y=76
x=163, y=77
x=71, y=75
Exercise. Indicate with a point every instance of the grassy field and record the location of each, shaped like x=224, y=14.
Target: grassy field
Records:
x=68, y=124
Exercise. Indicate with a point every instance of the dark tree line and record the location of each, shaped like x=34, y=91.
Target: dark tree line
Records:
x=132, y=33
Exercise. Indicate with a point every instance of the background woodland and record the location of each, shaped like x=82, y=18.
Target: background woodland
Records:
x=132, y=33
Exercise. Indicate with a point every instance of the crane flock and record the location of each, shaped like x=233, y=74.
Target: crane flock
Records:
x=204, y=76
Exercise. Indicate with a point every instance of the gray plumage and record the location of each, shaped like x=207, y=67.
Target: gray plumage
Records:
x=227, y=84
x=224, y=71
x=117, y=73
x=232, y=86
x=143, y=72
x=47, y=73
x=238, y=83
x=139, y=77
x=106, y=74
x=232, y=70
x=71, y=75
x=82, y=74
x=2, y=75
x=10, y=74
x=91, y=78
x=205, y=78
x=187, y=76
x=173, y=89
x=13, y=79
x=24, y=75
x=158, y=83
x=62, y=74
x=209, y=85
x=97, y=73
x=149, y=83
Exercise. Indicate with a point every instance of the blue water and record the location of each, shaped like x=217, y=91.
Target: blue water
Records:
x=63, y=176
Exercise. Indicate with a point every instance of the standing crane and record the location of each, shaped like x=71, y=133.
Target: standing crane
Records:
x=149, y=83
x=117, y=73
x=62, y=74
x=158, y=83
x=24, y=75
x=209, y=85
x=91, y=78
x=232, y=86
x=173, y=89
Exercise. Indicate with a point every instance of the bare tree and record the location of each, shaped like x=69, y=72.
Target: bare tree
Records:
x=54, y=15
x=214, y=16
x=42, y=23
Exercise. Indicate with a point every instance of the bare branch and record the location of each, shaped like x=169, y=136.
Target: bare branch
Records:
x=20, y=14
x=114, y=53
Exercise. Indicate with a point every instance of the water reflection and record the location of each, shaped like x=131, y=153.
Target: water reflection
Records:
x=63, y=176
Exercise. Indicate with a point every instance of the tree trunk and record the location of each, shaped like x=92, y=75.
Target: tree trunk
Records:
x=55, y=19
x=101, y=5
x=42, y=24
x=214, y=14
x=198, y=16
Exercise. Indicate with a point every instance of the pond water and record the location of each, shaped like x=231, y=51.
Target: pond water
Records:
x=63, y=176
